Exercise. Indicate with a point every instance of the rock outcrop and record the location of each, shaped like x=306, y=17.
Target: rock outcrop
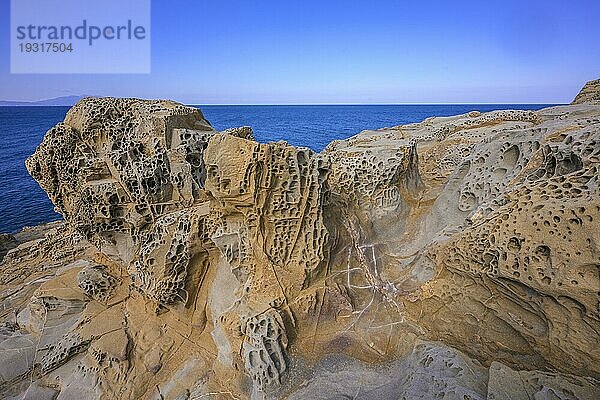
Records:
x=589, y=93
x=455, y=258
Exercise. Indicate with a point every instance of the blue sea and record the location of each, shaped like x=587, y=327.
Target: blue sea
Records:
x=24, y=203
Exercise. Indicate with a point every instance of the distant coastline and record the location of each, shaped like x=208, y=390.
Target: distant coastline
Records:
x=72, y=100
x=56, y=101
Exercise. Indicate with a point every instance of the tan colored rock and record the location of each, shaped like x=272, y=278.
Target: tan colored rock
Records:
x=589, y=93
x=454, y=258
x=505, y=383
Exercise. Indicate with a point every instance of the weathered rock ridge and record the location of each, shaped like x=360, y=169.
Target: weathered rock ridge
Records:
x=589, y=93
x=455, y=258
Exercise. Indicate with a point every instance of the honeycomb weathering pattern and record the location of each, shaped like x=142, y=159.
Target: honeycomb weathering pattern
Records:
x=264, y=348
x=115, y=165
x=456, y=257
x=590, y=92
x=96, y=282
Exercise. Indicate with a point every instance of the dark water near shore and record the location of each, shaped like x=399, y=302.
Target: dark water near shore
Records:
x=24, y=203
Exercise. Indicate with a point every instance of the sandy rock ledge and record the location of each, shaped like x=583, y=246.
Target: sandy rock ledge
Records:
x=456, y=258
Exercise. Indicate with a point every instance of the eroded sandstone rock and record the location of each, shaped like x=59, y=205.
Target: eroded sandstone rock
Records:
x=590, y=92
x=456, y=258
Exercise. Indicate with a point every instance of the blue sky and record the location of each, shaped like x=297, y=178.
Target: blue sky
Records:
x=276, y=52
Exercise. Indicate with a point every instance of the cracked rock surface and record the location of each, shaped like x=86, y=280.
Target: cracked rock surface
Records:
x=455, y=258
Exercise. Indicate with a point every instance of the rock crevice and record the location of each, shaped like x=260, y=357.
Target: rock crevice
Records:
x=456, y=257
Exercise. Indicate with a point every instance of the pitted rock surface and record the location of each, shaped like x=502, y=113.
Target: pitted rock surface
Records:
x=453, y=258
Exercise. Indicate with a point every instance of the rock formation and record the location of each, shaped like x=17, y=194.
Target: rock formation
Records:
x=589, y=93
x=455, y=258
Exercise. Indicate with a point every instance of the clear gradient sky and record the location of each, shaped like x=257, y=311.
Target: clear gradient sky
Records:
x=343, y=51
